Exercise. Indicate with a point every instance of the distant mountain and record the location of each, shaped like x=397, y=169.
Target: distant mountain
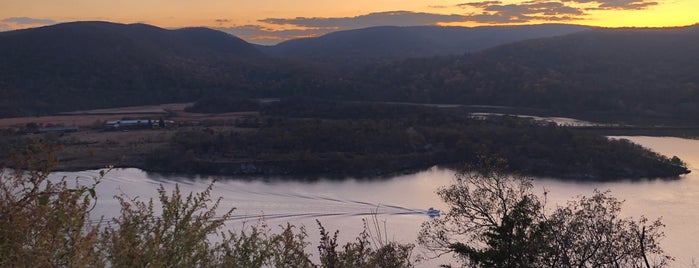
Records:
x=84, y=65
x=96, y=64
x=644, y=72
x=407, y=42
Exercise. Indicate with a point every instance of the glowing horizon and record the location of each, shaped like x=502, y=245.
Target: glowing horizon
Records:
x=276, y=20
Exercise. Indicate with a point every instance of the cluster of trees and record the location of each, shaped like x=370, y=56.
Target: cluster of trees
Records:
x=494, y=220
x=367, y=139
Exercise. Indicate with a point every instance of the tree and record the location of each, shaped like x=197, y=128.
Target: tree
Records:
x=494, y=220
x=589, y=233
x=45, y=222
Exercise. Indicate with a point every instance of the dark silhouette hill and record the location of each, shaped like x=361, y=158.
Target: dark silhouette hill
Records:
x=98, y=64
x=390, y=42
x=642, y=71
x=82, y=65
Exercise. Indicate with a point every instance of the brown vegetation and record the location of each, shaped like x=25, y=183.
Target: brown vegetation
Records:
x=173, y=111
x=46, y=223
x=92, y=147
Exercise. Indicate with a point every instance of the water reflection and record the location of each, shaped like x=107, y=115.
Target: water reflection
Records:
x=401, y=201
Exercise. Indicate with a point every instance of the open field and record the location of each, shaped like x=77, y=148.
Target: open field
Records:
x=60, y=120
x=93, y=144
x=95, y=118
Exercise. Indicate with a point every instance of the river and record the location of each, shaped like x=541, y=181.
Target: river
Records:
x=400, y=201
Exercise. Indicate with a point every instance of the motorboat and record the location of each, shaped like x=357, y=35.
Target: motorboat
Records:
x=432, y=212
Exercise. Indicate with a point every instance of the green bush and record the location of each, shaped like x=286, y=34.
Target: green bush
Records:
x=46, y=223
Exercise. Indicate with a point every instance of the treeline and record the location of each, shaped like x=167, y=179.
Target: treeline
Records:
x=635, y=76
x=332, y=141
x=493, y=220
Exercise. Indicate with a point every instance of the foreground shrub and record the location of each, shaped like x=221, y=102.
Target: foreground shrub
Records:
x=494, y=220
x=361, y=252
x=45, y=223
x=176, y=237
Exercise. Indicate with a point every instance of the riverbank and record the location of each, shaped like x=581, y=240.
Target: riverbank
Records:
x=339, y=149
x=313, y=138
x=399, y=200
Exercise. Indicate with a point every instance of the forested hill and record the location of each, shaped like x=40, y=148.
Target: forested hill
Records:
x=388, y=42
x=635, y=71
x=94, y=64
x=84, y=65
x=632, y=72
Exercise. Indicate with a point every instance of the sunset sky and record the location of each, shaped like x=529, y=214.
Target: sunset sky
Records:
x=271, y=21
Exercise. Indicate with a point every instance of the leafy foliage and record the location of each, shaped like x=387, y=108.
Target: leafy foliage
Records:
x=589, y=233
x=178, y=237
x=46, y=223
x=495, y=220
x=360, y=253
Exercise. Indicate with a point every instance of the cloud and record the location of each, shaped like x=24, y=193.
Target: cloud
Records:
x=481, y=12
x=545, y=10
x=536, y=10
x=618, y=4
x=222, y=21
x=531, y=8
x=4, y=27
x=266, y=36
x=316, y=26
x=483, y=4
x=26, y=20
x=394, y=18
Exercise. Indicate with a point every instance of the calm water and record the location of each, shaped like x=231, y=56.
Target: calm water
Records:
x=401, y=201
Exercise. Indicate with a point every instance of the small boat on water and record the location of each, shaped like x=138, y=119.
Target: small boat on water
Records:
x=432, y=212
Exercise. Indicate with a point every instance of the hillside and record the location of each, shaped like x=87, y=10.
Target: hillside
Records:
x=638, y=72
x=98, y=64
x=388, y=42
x=617, y=75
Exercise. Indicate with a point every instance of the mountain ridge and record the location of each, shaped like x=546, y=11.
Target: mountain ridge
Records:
x=641, y=71
x=109, y=63
x=400, y=42
x=88, y=65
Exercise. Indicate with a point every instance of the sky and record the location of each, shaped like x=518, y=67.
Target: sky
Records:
x=273, y=21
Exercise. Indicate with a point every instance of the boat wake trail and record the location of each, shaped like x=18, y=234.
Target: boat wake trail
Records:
x=297, y=205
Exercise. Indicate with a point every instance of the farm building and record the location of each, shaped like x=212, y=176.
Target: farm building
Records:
x=137, y=124
x=130, y=124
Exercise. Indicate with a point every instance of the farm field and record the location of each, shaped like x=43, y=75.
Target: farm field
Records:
x=93, y=144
